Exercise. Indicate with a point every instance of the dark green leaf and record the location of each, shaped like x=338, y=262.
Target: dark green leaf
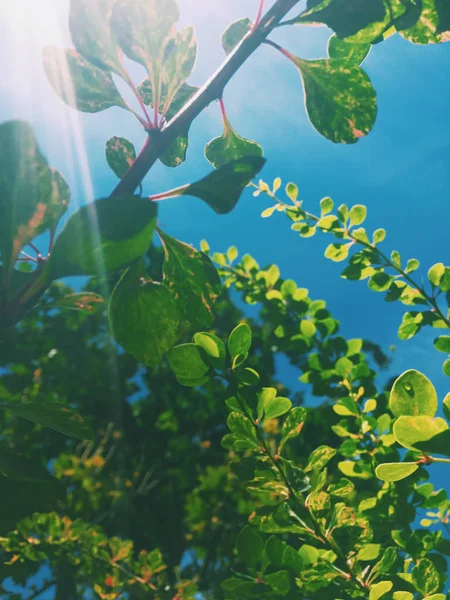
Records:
x=425, y=577
x=354, y=54
x=250, y=547
x=29, y=198
x=340, y=99
x=144, y=316
x=59, y=417
x=192, y=278
x=78, y=82
x=413, y=394
x=20, y=499
x=235, y=33
x=359, y=22
x=103, y=236
x=222, y=188
x=21, y=468
x=120, y=155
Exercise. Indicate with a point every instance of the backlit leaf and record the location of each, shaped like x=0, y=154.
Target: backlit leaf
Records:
x=103, y=236
x=90, y=30
x=442, y=343
x=354, y=54
x=340, y=99
x=235, y=33
x=78, y=82
x=426, y=434
x=144, y=316
x=380, y=589
x=426, y=22
x=187, y=363
x=425, y=577
x=413, y=394
x=192, y=278
x=28, y=200
x=240, y=340
x=120, y=155
x=395, y=471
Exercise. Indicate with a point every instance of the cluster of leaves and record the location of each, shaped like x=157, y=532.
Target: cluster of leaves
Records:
x=366, y=261
x=321, y=527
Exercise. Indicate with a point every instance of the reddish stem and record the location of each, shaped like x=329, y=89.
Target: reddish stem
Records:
x=280, y=49
x=258, y=15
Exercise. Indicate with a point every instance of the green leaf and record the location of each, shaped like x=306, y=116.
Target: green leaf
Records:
x=32, y=196
x=425, y=577
x=380, y=589
x=413, y=394
x=359, y=469
x=21, y=468
x=79, y=83
x=214, y=351
x=337, y=252
x=81, y=301
x=241, y=426
x=292, y=425
x=230, y=146
x=178, y=64
x=222, y=188
x=250, y=547
x=59, y=417
x=354, y=54
x=369, y=552
x=277, y=407
x=103, y=236
x=326, y=206
x=120, y=155
x=90, y=30
x=446, y=367
x=435, y=274
x=235, y=33
x=446, y=406
x=240, y=340
x=442, y=343
x=395, y=471
x=319, y=458
x=379, y=235
x=279, y=582
x=187, y=363
x=340, y=99
x=192, y=278
x=426, y=22
x=144, y=316
x=426, y=434
x=404, y=596
x=358, y=214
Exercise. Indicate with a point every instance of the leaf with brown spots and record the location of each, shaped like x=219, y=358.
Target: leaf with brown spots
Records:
x=120, y=155
x=427, y=22
x=192, y=278
x=78, y=82
x=33, y=197
x=340, y=99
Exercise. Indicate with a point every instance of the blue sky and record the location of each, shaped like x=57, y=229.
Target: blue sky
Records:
x=400, y=171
